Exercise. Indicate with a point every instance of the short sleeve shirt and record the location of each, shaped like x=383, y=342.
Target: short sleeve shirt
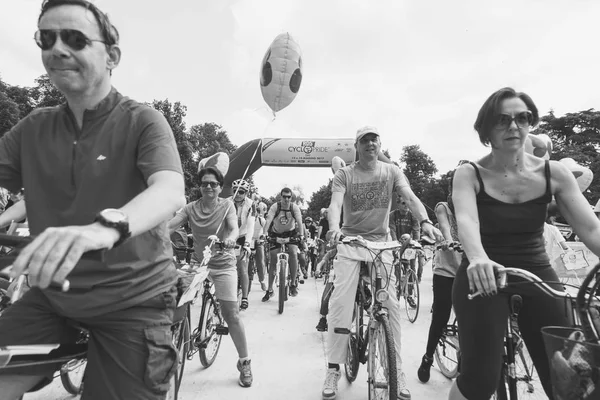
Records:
x=368, y=198
x=71, y=173
x=285, y=221
x=206, y=223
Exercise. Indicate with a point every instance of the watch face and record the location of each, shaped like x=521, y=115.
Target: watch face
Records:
x=113, y=215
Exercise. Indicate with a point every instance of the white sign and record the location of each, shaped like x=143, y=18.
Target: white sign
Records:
x=306, y=152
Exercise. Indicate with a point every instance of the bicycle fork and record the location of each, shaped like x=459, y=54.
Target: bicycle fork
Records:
x=515, y=304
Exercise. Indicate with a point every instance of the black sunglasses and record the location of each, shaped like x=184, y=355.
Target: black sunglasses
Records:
x=213, y=185
x=46, y=38
x=287, y=197
x=522, y=119
x=241, y=192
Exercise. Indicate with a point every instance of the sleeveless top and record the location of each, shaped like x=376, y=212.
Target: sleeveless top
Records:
x=513, y=234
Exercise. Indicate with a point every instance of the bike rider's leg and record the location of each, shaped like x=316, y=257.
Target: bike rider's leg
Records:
x=31, y=320
x=226, y=292
x=302, y=262
x=259, y=262
x=272, y=269
x=242, y=269
x=292, y=251
x=421, y=260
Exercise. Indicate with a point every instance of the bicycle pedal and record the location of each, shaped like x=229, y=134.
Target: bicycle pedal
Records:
x=342, y=331
x=222, y=330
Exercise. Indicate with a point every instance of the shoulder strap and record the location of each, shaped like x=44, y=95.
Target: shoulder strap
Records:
x=548, y=177
x=478, y=176
x=276, y=215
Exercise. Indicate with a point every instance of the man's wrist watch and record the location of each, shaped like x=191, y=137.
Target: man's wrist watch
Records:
x=425, y=220
x=116, y=219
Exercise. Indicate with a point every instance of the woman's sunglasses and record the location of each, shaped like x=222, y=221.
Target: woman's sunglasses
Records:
x=522, y=119
x=213, y=185
x=241, y=192
x=76, y=40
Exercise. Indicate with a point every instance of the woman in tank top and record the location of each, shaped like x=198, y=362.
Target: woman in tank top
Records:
x=500, y=203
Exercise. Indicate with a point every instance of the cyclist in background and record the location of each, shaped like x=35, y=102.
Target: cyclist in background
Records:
x=212, y=215
x=284, y=219
x=246, y=217
x=259, y=248
x=402, y=222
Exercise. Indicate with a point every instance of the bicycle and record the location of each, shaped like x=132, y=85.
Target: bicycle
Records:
x=313, y=252
x=407, y=286
x=372, y=342
x=282, y=268
x=71, y=358
x=512, y=385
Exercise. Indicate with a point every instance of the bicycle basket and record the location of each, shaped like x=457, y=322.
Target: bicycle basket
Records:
x=573, y=362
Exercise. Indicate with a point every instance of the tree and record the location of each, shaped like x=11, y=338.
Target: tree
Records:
x=45, y=94
x=209, y=138
x=318, y=200
x=9, y=113
x=419, y=168
x=577, y=136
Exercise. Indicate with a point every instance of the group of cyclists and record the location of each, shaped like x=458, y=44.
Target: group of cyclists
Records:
x=102, y=172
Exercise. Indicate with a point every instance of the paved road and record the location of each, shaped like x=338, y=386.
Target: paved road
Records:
x=288, y=355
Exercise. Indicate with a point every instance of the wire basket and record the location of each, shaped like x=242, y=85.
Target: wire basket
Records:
x=574, y=370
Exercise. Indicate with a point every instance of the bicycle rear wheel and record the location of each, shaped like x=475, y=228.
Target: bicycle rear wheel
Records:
x=209, y=339
x=411, y=295
x=282, y=286
x=447, y=355
x=181, y=339
x=383, y=377
x=352, y=359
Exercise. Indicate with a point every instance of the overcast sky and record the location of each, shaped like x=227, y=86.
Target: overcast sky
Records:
x=418, y=70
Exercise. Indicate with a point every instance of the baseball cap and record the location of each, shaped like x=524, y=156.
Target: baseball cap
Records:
x=364, y=130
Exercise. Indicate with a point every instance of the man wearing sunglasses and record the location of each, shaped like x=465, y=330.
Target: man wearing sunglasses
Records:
x=284, y=219
x=101, y=172
x=365, y=191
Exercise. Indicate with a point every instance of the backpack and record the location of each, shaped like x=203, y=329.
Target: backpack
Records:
x=270, y=230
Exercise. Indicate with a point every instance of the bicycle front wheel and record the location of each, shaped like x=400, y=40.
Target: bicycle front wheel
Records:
x=383, y=376
x=411, y=295
x=352, y=358
x=209, y=339
x=71, y=375
x=447, y=355
x=282, y=285
x=181, y=338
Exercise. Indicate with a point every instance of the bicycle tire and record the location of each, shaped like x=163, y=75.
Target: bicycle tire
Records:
x=282, y=286
x=447, y=356
x=210, y=318
x=352, y=363
x=411, y=281
x=382, y=353
x=69, y=375
x=181, y=338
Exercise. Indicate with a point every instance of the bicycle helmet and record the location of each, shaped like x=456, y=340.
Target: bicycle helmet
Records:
x=308, y=220
x=242, y=184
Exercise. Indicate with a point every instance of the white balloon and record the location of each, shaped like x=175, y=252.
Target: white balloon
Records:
x=337, y=163
x=219, y=161
x=583, y=175
x=539, y=145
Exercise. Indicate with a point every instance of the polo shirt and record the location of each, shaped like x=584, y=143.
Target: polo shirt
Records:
x=70, y=174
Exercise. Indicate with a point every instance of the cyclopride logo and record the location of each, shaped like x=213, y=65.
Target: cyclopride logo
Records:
x=307, y=147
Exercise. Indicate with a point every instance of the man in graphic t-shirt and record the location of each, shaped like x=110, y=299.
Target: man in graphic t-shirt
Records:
x=284, y=219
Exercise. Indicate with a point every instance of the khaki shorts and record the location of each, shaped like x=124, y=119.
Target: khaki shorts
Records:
x=226, y=283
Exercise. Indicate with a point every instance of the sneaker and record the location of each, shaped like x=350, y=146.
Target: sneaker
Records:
x=244, y=305
x=411, y=302
x=245, y=373
x=403, y=392
x=263, y=286
x=267, y=295
x=424, y=370
x=293, y=291
x=300, y=281
x=305, y=277
x=331, y=381
x=322, y=325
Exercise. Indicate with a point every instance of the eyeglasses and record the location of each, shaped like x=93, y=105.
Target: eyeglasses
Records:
x=213, y=185
x=46, y=38
x=286, y=197
x=522, y=119
x=241, y=192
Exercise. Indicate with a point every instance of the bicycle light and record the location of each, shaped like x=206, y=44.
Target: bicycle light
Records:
x=382, y=295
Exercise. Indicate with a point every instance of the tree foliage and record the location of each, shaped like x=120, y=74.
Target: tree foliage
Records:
x=419, y=168
x=45, y=94
x=318, y=200
x=577, y=136
x=9, y=113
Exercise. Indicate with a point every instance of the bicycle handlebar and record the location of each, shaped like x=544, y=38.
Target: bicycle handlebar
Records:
x=528, y=276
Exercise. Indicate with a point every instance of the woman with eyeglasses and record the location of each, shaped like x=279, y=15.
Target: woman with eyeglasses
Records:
x=500, y=203
x=208, y=216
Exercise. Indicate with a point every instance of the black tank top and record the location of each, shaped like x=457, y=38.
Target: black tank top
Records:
x=513, y=234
